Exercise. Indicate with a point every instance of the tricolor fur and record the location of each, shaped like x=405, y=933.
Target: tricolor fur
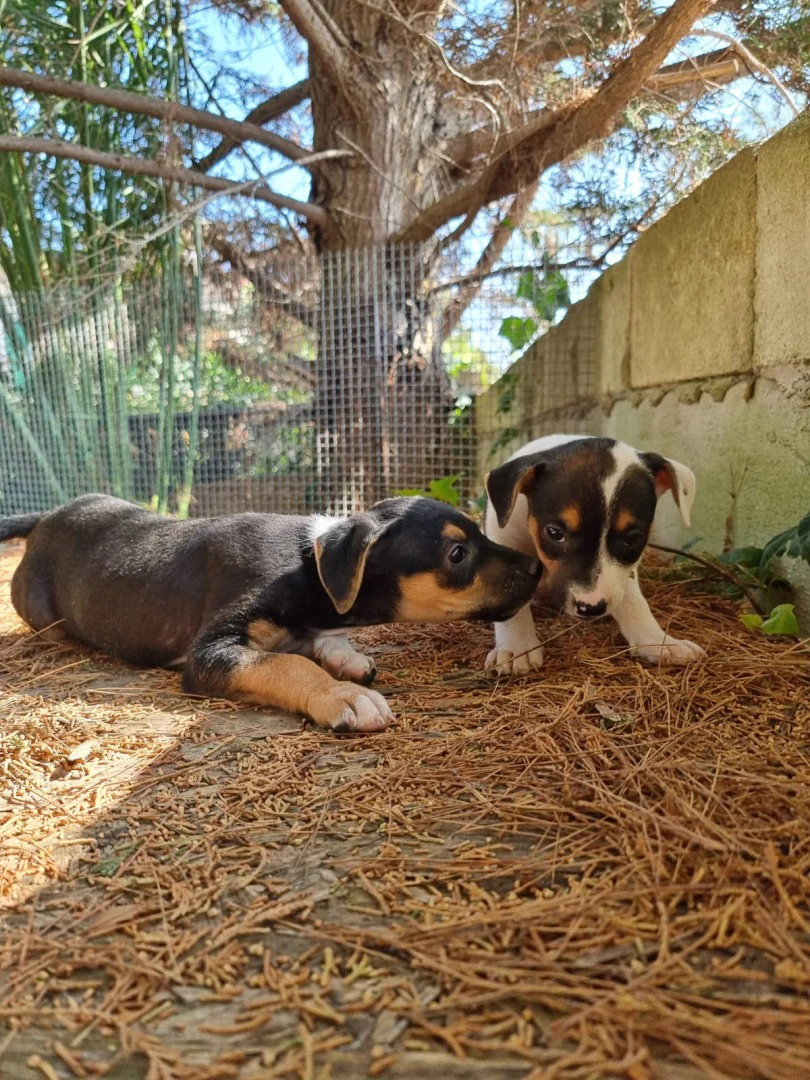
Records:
x=256, y=606
x=585, y=507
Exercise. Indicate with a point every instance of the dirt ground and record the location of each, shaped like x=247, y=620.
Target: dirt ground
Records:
x=598, y=871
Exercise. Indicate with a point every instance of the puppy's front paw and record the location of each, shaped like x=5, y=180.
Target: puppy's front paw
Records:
x=348, y=707
x=352, y=666
x=670, y=653
x=515, y=662
x=336, y=656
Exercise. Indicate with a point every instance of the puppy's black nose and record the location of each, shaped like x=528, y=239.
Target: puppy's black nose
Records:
x=590, y=611
x=534, y=568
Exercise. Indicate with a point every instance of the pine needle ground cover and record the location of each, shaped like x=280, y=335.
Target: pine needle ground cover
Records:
x=597, y=871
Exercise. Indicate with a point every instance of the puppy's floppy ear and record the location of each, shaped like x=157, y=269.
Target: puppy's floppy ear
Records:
x=509, y=480
x=671, y=476
x=340, y=555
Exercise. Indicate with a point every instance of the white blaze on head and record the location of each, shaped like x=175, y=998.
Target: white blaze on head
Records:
x=610, y=577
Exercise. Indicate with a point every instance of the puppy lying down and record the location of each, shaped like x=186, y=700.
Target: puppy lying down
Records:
x=256, y=606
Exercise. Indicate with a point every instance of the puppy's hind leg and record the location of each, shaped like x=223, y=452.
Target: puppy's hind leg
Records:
x=222, y=667
x=31, y=597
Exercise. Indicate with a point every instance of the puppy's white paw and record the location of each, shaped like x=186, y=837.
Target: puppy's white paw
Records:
x=348, y=707
x=337, y=657
x=515, y=661
x=670, y=653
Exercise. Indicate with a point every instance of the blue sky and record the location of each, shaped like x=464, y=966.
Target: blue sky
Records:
x=260, y=52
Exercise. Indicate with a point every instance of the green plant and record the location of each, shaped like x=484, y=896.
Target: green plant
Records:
x=758, y=566
x=782, y=620
x=547, y=292
x=443, y=489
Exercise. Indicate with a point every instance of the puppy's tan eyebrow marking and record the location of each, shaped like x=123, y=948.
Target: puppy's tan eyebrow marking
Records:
x=624, y=519
x=572, y=517
x=453, y=532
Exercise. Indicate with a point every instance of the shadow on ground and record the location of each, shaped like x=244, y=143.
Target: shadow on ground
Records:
x=600, y=870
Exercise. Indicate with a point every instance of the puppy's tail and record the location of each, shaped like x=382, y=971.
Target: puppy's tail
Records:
x=19, y=525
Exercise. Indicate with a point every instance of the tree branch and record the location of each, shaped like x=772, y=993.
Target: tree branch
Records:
x=323, y=37
x=515, y=213
x=268, y=110
x=161, y=171
x=143, y=105
x=522, y=155
x=272, y=292
x=680, y=79
x=755, y=64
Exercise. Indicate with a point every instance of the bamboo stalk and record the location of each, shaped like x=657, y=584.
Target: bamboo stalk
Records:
x=194, y=432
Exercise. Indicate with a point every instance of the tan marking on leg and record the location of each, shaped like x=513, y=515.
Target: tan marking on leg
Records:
x=453, y=532
x=572, y=517
x=264, y=636
x=425, y=599
x=295, y=683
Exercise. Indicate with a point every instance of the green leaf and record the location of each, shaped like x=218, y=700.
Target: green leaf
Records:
x=782, y=620
x=518, y=332
x=445, y=490
x=753, y=622
x=547, y=293
x=747, y=557
x=693, y=541
x=528, y=286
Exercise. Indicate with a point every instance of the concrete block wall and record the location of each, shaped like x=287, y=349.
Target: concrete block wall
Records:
x=696, y=345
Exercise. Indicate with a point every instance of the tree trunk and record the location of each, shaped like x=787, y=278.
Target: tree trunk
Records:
x=383, y=399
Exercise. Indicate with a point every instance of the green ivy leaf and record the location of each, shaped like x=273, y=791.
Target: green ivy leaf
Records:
x=782, y=620
x=747, y=557
x=518, y=332
x=794, y=542
x=753, y=622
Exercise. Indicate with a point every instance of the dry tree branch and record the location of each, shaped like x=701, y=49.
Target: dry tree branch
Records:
x=678, y=80
x=169, y=111
x=754, y=64
x=161, y=171
x=515, y=213
x=554, y=136
x=716, y=568
x=273, y=293
x=324, y=38
x=268, y=110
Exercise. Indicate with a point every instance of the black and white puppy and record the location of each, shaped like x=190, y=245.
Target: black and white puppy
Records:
x=257, y=606
x=584, y=506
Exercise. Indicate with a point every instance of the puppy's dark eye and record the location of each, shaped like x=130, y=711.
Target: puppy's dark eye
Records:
x=458, y=554
x=631, y=538
x=555, y=533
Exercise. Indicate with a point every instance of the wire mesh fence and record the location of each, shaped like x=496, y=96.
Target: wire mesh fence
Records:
x=311, y=384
